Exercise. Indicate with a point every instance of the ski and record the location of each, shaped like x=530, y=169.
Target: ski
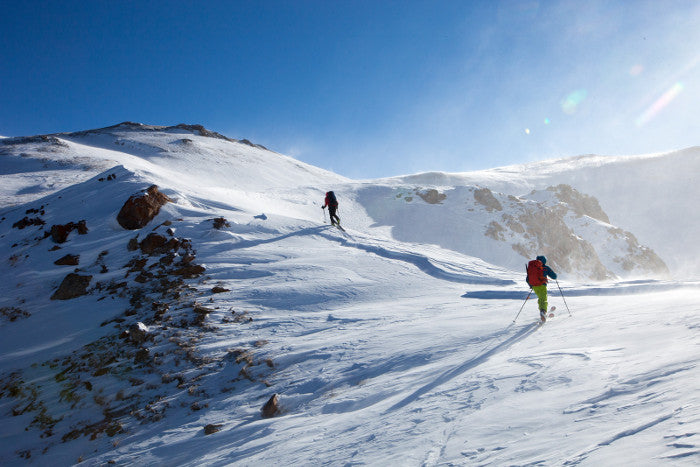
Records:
x=549, y=315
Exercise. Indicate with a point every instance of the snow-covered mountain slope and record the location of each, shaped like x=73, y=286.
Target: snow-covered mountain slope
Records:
x=652, y=196
x=506, y=225
x=382, y=349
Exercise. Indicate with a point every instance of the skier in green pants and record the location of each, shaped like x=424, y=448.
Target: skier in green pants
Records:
x=537, y=273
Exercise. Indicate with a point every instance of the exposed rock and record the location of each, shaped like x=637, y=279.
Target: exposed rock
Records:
x=220, y=223
x=639, y=258
x=211, y=429
x=189, y=271
x=59, y=233
x=495, y=230
x=140, y=209
x=202, y=313
x=158, y=244
x=13, y=313
x=20, y=224
x=271, y=407
x=567, y=251
x=138, y=333
x=581, y=204
x=73, y=285
x=200, y=130
x=219, y=289
x=82, y=227
x=485, y=197
x=142, y=356
x=133, y=244
x=68, y=260
x=247, y=142
x=432, y=196
x=152, y=242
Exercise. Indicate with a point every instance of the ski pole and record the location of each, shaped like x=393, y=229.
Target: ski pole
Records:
x=562, y=296
x=521, y=308
x=324, y=215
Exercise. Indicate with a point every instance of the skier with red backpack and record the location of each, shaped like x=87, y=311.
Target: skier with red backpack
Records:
x=332, y=204
x=537, y=273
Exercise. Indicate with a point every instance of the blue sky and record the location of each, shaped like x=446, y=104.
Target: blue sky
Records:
x=365, y=88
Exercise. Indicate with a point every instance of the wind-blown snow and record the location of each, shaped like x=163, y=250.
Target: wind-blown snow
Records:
x=387, y=344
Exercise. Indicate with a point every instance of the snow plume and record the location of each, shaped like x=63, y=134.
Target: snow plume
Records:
x=237, y=328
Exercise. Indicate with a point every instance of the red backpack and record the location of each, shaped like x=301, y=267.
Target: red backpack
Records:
x=535, y=273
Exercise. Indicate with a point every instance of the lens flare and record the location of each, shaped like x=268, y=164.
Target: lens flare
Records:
x=665, y=99
x=547, y=121
x=572, y=101
x=527, y=131
x=636, y=70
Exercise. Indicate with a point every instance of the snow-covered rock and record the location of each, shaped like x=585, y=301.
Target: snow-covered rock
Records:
x=390, y=343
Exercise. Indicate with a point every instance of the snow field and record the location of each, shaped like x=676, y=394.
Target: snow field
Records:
x=383, y=351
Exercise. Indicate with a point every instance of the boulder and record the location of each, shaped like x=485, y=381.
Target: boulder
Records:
x=189, y=271
x=140, y=209
x=73, y=285
x=59, y=232
x=142, y=356
x=68, y=260
x=212, y=428
x=152, y=243
x=220, y=223
x=138, y=333
x=26, y=222
x=271, y=407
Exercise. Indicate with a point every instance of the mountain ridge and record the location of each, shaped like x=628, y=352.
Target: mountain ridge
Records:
x=167, y=342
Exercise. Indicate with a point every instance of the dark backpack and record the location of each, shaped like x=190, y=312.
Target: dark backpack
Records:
x=535, y=273
x=330, y=198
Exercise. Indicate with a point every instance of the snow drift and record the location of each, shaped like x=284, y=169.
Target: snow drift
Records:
x=390, y=343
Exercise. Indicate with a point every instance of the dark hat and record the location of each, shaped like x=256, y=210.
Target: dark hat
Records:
x=542, y=259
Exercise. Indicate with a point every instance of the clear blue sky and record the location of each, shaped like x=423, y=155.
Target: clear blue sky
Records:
x=365, y=88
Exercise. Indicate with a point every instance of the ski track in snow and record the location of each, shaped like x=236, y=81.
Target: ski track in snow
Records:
x=377, y=357
x=468, y=365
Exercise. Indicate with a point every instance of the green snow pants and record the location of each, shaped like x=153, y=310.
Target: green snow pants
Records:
x=541, y=292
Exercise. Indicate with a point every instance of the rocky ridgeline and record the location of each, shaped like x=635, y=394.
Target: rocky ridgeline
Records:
x=567, y=226
x=150, y=362
x=557, y=222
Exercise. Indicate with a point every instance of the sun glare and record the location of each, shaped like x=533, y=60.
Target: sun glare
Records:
x=570, y=104
x=660, y=103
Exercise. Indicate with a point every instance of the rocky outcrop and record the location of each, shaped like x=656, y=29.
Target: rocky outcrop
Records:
x=68, y=260
x=73, y=285
x=220, y=223
x=158, y=244
x=27, y=221
x=13, y=313
x=581, y=204
x=138, y=333
x=59, y=232
x=271, y=407
x=485, y=197
x=432, y=196
x=212, y=428
x=140, y=209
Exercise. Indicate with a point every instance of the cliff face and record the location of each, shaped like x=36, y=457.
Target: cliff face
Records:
x=567, y=226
